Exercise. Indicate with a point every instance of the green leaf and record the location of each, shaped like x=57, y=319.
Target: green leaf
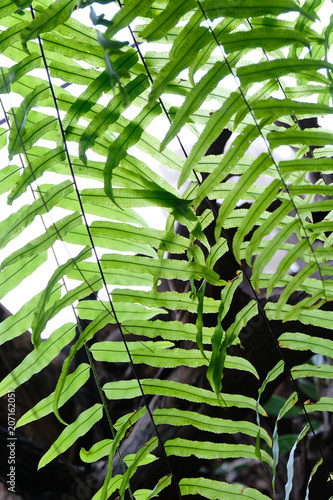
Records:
x=252, y=8
x=18, y=221
x=219, y=349
x=319, y=371
x=164, y=482
x=92, y=285
x=7, y=7
x=59, y=273
x=159, y=239
x=158, y=354
x=284, y=107
x=102, y=320
x=324, y=404
x=8, y=177
x=113, y=46
x=55, y=14
x=289, y=403
x=298, y=279
x=57, y=231
x=19, y=322
x=91, y=53
x=308, y=137
x=266, y=228
x=35, y=132
x=112, y=276
x=134, y=198
x=258, y=167
x=87, y=99
x=203, y=449
x=38, y=358
x=314, y=470
x=185, y=48
x=195, y=99
x=29, y=63
x=190, y=78
x=218, y=489
x=89, y=309
x=215, y=124
x=139, y=456
x=169, y=300
x=12, y=276
x=70, y=434
x=34, y=170
x=72, y=74
x=126, y=14
x=172, y=416
x=285, y=264
x=97, y=451
x=73, y=383
x=290, y=464
x=17, y=131
x=305, y=68
x=303, y=342
x=171, y=330
x=123, y=424
x=253, y=214
x=314, y=317
x=110, y=114
x=109, y=446
x=129, y=388
x=167, y=19
x=270, y=250
x=130, y=135
x=268, y=39
x=160, y=268
x=272, y=375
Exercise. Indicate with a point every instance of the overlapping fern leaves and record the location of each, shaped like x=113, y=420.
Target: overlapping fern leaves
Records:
x=203, y=43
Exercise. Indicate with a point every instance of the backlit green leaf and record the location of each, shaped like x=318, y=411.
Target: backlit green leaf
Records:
x=54, y=15
x=70, y=434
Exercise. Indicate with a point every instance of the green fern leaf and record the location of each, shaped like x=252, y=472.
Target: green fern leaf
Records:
x=130, y=388
x=70, y=434
x=218, y=489
x=54, y=15
x=36, y=170
x=170, y=300
x=195, y=98
x=19, y=122
x=126, y=14
x=305, y=68
x=290, y=464
x=167, y=19
x=203, y=449
x=38, y=358
x=159, y=239
x=171, y=416
x=73, y=383
x=18, y=221
x=318, y=371
x=216, y=123
x=227, y=8
x=139, y=456
x=43, y=242
x=110, y=114
x=125, y=140
x=92, y=285
x=15, y=325
x=267, y=39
